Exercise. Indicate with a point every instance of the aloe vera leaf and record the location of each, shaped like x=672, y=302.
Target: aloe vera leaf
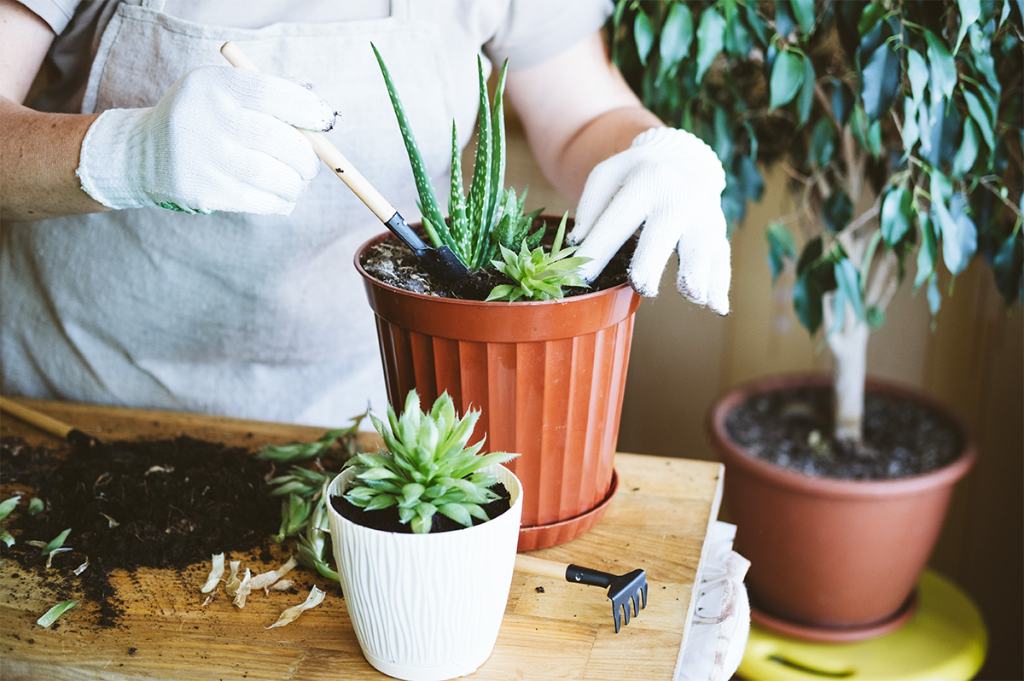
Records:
x=428, y=201
x=456, y=199
x=480, y=191
x=497, y=168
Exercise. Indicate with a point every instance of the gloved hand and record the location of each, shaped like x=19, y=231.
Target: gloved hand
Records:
x=672, y=182
x=221, y=139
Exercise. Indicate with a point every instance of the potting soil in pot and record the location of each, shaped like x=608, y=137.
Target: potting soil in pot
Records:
x=392, y=263
x=386, y=519
x=160, y=503
x=793, y=428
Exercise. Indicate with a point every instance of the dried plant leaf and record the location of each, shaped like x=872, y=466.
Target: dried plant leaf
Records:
x=282, y=585
x=54, y=613
x=315, y=598
x=231, y=586
x=82, y=568
x=51, y=554
x=216, y=572
x=244, y=589
x=111, y=523
x=158, y=469
x=265, y=580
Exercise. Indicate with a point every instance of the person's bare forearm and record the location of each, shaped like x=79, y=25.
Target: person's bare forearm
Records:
x=605, y=136
x=39, y=153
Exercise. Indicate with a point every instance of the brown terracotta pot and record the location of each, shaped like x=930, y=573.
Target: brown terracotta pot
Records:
x=827, y=553
x=548, y=377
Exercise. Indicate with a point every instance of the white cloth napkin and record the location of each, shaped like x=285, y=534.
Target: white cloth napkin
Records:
x=718, y=634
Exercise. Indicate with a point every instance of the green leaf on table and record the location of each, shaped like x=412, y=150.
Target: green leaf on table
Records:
x=53, y=614
x=8, y=505
x=57, y=542
x=710, y=38
x=35, y=506
x=967, y=152
x=643, y=35
x=943, y=68
x=786, y=79
x=676, y=35
x=917, y=73
x=781, y=247
x=803, y=10
x=837, y=211
x=970, y=11
x=977, y=111
x=880, y=80
x=7, y=538
x=896, y=215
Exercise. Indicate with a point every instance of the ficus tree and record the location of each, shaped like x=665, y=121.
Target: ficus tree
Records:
x=897, y=122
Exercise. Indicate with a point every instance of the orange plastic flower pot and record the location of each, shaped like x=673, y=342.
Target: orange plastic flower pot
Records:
x=548, y=377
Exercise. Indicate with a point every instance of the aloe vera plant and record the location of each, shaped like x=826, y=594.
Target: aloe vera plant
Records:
x=538, y=274
x=488, y=217
x=428, y=467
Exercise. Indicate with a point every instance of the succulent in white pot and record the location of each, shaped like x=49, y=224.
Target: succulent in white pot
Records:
x=424, y=536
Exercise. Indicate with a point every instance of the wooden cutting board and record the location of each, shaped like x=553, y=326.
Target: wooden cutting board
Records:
x=658, y=520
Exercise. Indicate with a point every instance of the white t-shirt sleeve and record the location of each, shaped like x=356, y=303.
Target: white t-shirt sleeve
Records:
x=56, y=13
x=535, y=30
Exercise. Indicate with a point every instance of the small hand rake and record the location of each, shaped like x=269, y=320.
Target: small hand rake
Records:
x=623, y=590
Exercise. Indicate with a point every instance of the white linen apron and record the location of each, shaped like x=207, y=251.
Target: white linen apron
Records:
x=252, y=316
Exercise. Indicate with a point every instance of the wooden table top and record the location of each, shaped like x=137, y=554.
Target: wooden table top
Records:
x=658, y=520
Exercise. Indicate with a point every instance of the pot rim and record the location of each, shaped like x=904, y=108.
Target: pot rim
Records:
x=462, y=301
x=734, y=454
x=423, y=537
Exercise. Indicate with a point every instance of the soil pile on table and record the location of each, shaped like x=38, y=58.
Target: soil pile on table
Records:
x=793, y=428
x=386, y=519
x=131, y=504
x=391, y=262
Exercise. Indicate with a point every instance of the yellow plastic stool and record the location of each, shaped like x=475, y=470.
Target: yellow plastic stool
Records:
x=945, y=640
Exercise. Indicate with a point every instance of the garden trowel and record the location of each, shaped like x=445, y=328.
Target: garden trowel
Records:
x=441, y=262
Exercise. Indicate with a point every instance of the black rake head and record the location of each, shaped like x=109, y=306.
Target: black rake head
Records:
x=630, y=588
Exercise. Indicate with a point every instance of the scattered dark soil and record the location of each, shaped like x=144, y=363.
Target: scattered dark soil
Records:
x=386, y=519
x=392, y=263
x=174, y=503
x=793, y=429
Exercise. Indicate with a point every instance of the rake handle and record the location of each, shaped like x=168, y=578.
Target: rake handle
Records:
x=328, y=153
x=574, y=574
x=45, y=423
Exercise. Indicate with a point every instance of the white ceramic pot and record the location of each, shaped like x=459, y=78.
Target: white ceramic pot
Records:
x=427, y=606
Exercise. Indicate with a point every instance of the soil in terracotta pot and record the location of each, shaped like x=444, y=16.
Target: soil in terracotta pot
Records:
x=793, y=428
x=174, y=502
x=392, y=263
x=386, y=519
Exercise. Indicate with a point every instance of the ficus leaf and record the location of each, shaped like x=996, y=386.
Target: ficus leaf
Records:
x=643, y=35
x=786, y=79
x=880, y=80
x=943, y=69
x=710, y=37
x=896, y=215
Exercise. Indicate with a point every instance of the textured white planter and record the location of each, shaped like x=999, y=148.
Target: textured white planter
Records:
x=427, y=606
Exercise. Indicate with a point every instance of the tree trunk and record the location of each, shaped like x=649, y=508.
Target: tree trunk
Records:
x=849, y=347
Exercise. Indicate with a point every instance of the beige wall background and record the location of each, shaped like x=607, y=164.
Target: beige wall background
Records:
x=683, y=358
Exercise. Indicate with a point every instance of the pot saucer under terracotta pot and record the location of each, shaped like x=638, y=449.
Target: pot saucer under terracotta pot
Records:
x=832, y=559
x=548, y=377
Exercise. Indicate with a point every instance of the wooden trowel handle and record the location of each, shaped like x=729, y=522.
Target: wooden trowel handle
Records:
x=540, y=567
x=327, y=152
x=41, y=421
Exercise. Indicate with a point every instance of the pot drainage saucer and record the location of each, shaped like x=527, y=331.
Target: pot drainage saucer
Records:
x=534, y=537
x=826, y=634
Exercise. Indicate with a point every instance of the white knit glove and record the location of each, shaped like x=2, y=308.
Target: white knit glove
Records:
x=671, y=182
x=221, y=139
